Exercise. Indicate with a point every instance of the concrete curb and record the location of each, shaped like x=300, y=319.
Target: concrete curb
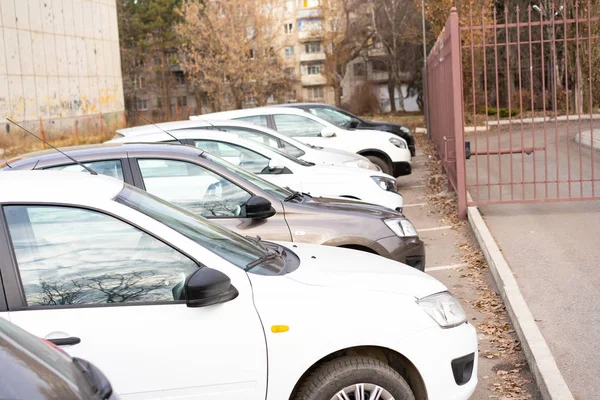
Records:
x=549, y=380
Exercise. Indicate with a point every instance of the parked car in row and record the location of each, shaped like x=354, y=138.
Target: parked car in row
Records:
x=211, y=187
x=285, y=170
x=169, y=304
x=347, y=120
x=314, y=154
x=388, y=151
x=34, y=370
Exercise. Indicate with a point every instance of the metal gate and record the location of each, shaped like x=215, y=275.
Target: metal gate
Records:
x=525, y=124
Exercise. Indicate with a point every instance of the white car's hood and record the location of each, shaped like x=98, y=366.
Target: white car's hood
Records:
x=343, y=268
x=321, y=172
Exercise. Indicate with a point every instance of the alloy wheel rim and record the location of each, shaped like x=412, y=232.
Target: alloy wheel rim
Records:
x=363, y=391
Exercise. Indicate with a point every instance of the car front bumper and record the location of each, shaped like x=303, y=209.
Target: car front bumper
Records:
x=407, y=250
x=434, y=351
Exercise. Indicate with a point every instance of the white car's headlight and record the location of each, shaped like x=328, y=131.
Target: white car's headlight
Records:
x=400, y=143
x=444, y=309
x=401, y=227
x=366, y=164
x=387, y=184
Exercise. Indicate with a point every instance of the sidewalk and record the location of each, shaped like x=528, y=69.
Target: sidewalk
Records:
x=554, y=253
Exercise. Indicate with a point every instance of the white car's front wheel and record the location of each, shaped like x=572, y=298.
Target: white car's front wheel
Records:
x=354, y=378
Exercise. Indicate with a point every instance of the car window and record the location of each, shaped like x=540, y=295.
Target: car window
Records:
x=237, y=155
x=267, y=186
x=68, y=255
x=296, y=125
x=260, y=120
x=238, y=250
x=112, y=168
x=267, y=140
x=194, y=188
x=332, y=116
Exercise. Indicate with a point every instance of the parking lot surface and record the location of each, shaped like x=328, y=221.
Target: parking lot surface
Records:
x=451, y=257
x=552, y=248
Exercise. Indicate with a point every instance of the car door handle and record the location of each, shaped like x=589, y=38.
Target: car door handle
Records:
x=65, y=341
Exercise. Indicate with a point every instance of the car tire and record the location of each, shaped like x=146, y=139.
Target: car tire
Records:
x=347, y=374
x=385, y=168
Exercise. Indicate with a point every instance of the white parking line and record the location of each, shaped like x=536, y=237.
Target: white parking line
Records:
x=444, y=267
x=415, y=205
x=437, y=228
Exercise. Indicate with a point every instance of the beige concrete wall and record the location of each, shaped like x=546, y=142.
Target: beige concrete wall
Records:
x=59, y=61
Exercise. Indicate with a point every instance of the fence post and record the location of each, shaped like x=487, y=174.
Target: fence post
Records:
x=42, y=134
x=457, y=105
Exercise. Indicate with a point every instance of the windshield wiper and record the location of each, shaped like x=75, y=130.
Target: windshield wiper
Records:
x=257, y=240
x=269, y=255
x=294, y=195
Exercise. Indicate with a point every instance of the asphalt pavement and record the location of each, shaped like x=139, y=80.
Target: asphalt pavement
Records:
x=442, y=245
x=552, y=248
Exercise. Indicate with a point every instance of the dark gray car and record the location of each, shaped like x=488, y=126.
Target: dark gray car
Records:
x=34, y=370
x=241, y=201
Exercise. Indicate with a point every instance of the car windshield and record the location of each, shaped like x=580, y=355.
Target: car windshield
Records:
x=332, y=116
x=290, y=157
x=236, y=249
x=268, y=187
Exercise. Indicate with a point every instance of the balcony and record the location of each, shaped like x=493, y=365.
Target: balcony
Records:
x=379, y=76
x=313, y=80
x=306, y=57
x=306, y=13
x=312, y=34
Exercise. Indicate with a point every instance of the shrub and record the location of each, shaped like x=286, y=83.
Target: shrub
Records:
x=503, y=112
x=492, y=111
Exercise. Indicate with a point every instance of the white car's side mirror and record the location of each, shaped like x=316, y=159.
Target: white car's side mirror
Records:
x=328, y=133
x=275, y=166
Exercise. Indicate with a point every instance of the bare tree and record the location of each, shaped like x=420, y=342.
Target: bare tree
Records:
x=346, y=32
x=397, y=28
x=230, y=45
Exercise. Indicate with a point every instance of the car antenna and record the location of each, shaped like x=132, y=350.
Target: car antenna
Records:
x=88, y=169
x=156, y=126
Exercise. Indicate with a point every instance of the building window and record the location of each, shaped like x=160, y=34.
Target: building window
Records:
x=312, y=69
x=180, y=78
x=227, y=99
x=288, y=29
x=315, y=93
x=289, y=51
x=290, y=73
x=308, y=3
x=379, y=66
x=142, y=105
x=359, y=69
x=310, y=25
x=289, y=5
x=251, y=55
x=139, y=82
x=182, y=101
x=314, y=47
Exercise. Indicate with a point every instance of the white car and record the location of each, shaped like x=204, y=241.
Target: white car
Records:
x=284, y=170
x=388, y=151
x=261, y=134
x=170, y=305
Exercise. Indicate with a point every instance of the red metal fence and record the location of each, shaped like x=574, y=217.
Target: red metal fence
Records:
x=445, y=103
x=531, y=103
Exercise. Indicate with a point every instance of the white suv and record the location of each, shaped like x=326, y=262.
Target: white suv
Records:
x=388, y=151
x=284, y=170
x=170, y=305
x=315, y=154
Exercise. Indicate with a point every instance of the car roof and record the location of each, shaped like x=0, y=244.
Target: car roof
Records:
x=56, y=187
x=251, y=111
x=184, y=134
x=298, y=105
x=115, y=150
